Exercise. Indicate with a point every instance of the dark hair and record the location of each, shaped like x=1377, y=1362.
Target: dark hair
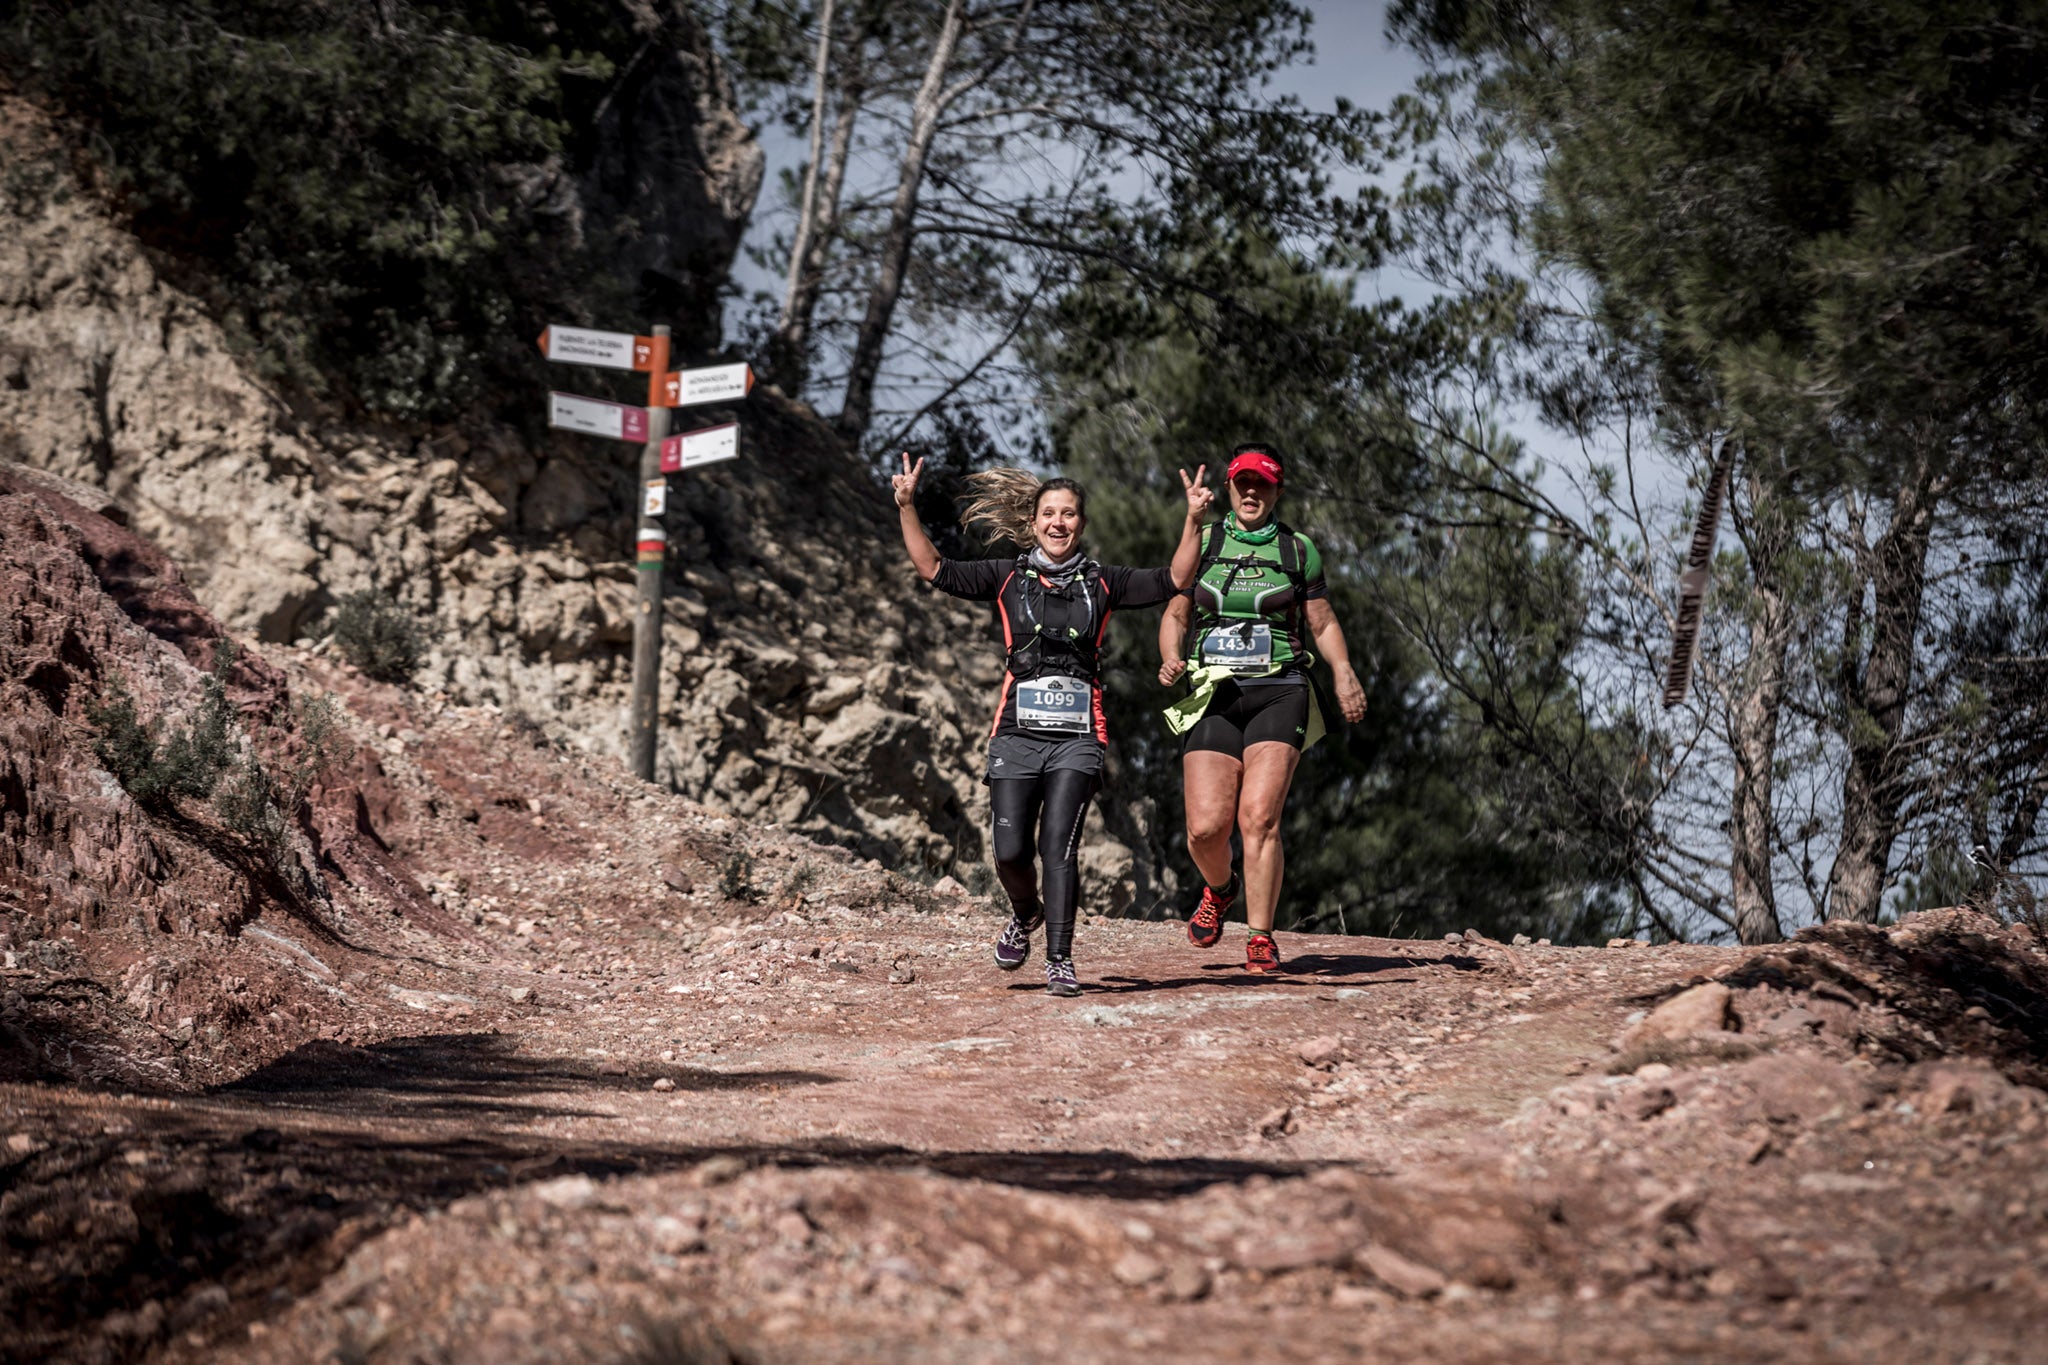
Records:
x=1262, y=447
x=1062, y=484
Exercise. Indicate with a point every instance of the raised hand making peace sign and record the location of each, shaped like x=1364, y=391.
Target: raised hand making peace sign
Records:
x=1200, y=497
x=905, y=484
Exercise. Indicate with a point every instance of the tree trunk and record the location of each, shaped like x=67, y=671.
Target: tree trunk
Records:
x=1874, y=700
x=791, y=357
x=1753, y=726
x=807, y=207
x=858, y=410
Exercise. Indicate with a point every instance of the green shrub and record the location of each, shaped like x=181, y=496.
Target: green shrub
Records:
x=250, y=805
x=378, y=636
x=154, y=766
x=736, y=877
x=259, y=802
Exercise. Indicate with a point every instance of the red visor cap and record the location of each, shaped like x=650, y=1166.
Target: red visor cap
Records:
x=1256, y=462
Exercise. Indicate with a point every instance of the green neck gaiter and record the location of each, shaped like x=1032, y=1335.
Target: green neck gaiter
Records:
x=1264, y=535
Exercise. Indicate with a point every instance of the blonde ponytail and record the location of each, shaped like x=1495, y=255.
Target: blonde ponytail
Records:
x=1003, y=504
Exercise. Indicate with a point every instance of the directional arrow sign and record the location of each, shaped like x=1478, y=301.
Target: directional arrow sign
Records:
x=712, y=384
x=609, y=350
x=708, y=446
x=616, y=420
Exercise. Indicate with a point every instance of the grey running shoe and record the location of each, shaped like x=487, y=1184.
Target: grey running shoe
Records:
x=1013, y=949
x=1059, y=977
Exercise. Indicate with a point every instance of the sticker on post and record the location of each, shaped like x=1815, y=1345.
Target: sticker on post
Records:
x=1242, y=648
x=656, y=501
x=711, y=384
x=606, y=350
x=707, y=446
x=597, y=417
x=1057, y=706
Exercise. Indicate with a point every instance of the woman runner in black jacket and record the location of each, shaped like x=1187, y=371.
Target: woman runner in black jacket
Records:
x=1046, y=746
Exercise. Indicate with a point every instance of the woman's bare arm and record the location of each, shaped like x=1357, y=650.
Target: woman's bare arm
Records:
x=1187, y=556
x=1173, y=634
x=923, y=554
x=1330, y=643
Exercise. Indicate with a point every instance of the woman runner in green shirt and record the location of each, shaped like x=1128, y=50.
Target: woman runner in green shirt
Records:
x=1260, y=617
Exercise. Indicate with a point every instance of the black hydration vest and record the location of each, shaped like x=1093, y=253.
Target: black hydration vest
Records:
x=1037, y=650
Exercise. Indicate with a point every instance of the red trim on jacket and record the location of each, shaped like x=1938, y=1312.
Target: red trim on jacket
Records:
x=1003, y=614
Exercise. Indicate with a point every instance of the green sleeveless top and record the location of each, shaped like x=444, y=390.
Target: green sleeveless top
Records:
x=1244, y=585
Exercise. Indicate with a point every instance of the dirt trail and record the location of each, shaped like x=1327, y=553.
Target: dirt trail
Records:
x=617, y=1072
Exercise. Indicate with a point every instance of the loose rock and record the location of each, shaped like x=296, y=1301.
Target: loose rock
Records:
x=1702, y=1009
x=1411, y=1279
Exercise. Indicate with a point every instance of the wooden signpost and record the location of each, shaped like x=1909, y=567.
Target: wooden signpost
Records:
x=660, y=455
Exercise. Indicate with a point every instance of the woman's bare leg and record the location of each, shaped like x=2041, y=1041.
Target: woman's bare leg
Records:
x=1262, y=796
x=1210, y=782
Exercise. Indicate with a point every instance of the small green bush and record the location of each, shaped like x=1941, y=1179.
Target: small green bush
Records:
x=736, y=877
x=259, y=803
x=378, y=636
x=154, y=766
x=250, y=804
x=801, y=878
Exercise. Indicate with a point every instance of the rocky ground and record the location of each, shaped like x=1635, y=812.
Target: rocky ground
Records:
x=538, y=1063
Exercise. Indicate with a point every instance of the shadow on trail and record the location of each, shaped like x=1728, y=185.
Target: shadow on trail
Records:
x=1312, y=970
x=263, y=1187
x=468, y=1073
x=265, y=1203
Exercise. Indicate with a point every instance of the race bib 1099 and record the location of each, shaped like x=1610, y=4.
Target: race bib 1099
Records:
x=1058, y=706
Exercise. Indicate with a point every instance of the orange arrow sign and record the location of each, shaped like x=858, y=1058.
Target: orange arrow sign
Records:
x=711, y=384
x=606, y=350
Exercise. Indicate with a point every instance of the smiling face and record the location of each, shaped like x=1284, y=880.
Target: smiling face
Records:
x=1058, y=522
x=1253, y=499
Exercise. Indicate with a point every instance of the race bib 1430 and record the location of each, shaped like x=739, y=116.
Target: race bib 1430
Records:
x=1245, y=648
x=1058, y=706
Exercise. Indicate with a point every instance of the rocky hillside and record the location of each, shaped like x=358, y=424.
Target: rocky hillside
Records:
x=807, y=680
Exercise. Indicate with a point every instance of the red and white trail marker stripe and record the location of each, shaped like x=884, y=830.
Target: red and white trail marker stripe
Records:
x=597, y=417
x=707, y=446
x=711, y=384
x=650, y=546
x=606, y=350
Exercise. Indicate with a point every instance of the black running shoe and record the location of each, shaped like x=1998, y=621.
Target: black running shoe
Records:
x=1013, y=946
x=1059, y=977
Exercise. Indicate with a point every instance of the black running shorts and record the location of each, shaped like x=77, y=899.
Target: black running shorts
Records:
x=1243, y=714
x=1026, y=755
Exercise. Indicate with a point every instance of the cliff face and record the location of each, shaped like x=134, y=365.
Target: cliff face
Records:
x=807, y=680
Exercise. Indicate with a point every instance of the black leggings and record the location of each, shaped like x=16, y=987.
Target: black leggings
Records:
x=1051, y=806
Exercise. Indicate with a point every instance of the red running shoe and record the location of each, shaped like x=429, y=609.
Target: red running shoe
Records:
x=1205, y=926
x=1261, y=954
